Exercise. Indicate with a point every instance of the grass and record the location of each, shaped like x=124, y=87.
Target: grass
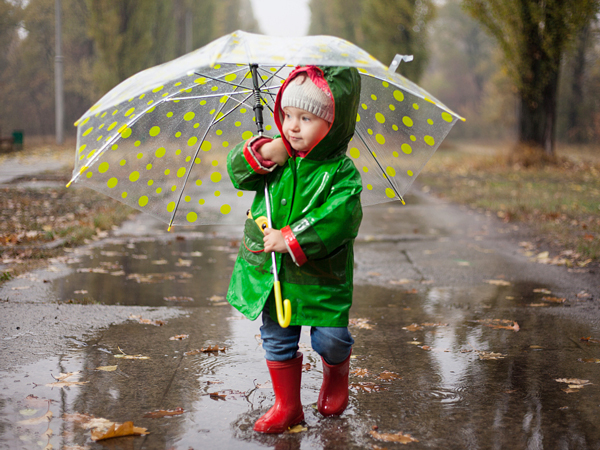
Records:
x=37, y=223
x=560, y=202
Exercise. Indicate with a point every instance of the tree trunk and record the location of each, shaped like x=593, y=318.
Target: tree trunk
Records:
x=537, y=119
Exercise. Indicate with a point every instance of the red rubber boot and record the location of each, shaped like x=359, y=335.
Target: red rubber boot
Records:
x=287, y=410
x=333, y=398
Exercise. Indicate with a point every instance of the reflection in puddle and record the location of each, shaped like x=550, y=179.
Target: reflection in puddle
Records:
x=442, y=391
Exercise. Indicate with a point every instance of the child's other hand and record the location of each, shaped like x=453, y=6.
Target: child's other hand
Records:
x=274, y=241
x=274, y=151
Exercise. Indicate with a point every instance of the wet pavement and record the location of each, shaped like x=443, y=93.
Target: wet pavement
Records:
x=461, y=342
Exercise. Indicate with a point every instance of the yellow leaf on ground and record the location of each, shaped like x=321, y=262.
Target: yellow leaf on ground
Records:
x=393, y=437
x=64, y=376
x=297, y=429
x=125, y=429
x=107, y=368
x=413, y=327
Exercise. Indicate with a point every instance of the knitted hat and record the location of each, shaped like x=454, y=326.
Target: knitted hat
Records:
x=302, y=93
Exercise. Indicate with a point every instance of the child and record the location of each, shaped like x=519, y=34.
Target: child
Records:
x=314, y=193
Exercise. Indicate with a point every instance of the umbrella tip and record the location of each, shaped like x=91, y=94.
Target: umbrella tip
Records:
x=69, y=183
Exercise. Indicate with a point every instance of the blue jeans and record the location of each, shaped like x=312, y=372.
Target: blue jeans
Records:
x=334, y=344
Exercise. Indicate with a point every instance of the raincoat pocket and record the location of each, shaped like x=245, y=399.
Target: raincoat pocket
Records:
x=330, y=270
x=253, y=245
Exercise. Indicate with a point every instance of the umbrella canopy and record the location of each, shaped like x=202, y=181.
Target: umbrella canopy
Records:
x=159, y=140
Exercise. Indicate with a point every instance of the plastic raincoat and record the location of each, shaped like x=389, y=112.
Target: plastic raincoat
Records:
x=315, y=201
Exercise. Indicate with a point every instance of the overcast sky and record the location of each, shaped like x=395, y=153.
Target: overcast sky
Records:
x=282, y=17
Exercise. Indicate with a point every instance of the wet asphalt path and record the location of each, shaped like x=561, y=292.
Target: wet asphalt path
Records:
x=440, y=294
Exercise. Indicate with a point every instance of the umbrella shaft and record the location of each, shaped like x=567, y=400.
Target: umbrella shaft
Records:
x=258, y=107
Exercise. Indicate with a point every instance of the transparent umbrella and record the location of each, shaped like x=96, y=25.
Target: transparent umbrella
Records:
x=158, y=141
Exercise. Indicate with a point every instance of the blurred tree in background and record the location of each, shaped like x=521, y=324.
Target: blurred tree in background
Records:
x=103, y=42
x=382, y=27
x=534, y=36
x=502, y=64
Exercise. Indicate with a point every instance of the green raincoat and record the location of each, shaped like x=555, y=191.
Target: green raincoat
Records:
x=315, y=201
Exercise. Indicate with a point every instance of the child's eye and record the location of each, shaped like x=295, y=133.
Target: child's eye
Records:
x=306, y=119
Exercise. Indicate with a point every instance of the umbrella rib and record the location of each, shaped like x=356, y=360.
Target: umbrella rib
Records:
x=189, y=171
x=221, y=81
x=358, y=133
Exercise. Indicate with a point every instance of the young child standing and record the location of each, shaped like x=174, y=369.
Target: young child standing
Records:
x=316, y=213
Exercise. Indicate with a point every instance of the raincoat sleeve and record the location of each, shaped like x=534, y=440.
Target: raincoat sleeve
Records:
x=246, y=167
x=332, y=224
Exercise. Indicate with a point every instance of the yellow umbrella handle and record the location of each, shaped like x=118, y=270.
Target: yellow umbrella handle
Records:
x=284, y=318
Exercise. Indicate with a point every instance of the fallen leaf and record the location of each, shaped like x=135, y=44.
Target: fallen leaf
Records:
x=536, y=347
x=158, y=323
x=589, y=360
x=573, y=381
x=179, y=337
x=542, y=255
x=401, y=281
x=411, y=291
x=82, y=291
x=374, y=274
x=498, y=282
x=504, y=324
x=183, y=263
x=192, y=352
x=393, y=437
x=160, y=262
x=590, y=339
x=37, y=420
x=361, y=373
x=107, y=368
x=216, y=298
x=306, y=367
x=554, y=299
x=20, y=288
x=212, y=349
x=296, y=429
x=414, y=342
x=178, y=299
x=164, y=413
x=61, y=384
x=542, y=291
x=367, y=387
x=126, y=356
x=413, y=327
x=64, y=376
x=483, y=355
x=361, y=323
x=116, y=430
x=387, y=375
x=217, y=396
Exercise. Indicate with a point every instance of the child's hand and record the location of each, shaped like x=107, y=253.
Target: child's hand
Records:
x=274, y=241
x=274, y=151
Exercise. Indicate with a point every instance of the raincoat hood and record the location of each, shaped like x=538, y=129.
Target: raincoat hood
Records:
x=343, y=84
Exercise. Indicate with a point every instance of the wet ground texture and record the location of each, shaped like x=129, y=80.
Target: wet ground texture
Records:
x=462, y=341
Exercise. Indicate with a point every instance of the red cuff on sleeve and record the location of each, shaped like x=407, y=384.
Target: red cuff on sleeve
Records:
x=293, y=246
x=256, y=161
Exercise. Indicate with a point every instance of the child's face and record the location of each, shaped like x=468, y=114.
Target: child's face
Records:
x=302, y=129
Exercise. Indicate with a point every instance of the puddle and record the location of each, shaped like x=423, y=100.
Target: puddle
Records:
x=175, y=272
x=443, y=364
